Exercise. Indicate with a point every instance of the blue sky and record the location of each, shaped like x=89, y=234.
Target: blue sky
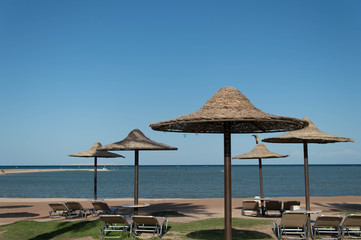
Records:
x=76, y=72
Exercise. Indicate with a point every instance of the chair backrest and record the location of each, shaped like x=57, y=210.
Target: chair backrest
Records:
x=101, y=206
x=148, y=220
x=328, y=221
x=294, y=219
x=74, y=206
x=352, y=220
x=287, y=204
x=273, y=205
x=58, y=207
x=250, y=205
x=111, y=219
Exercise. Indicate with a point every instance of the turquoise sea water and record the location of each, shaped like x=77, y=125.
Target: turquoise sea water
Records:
x=184, y=182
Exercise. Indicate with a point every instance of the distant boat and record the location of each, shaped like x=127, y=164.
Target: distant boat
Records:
x=222, y=170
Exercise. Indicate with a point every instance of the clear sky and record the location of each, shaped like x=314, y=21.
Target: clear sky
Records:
x=76, y=72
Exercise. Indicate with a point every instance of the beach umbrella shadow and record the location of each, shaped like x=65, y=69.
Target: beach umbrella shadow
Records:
x=95, y=152
x=218, y=234
x=18, y=215
x=65, y=227
x=227, y=112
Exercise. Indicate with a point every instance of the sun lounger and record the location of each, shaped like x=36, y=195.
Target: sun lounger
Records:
x=103, y=208
x=273, y=206
x=149, y=224
x=114, y=226
x=327, y=227
x=250, y=206
x=351, y=226
x=287, y=205
x=293, y=225
x=57, y=209
x=76, y=210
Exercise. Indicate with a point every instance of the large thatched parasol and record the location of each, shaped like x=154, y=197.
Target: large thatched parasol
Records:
x=310, y=134
x=95, y=152
x=229, y=111
x=136, y=141
x=259, y=152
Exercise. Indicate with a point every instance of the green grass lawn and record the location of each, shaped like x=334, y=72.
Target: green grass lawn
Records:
x=202, y=229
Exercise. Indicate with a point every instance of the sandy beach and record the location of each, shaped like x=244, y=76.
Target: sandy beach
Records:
x=37, y=209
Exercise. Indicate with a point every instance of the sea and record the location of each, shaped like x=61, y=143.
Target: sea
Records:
x=191, y=181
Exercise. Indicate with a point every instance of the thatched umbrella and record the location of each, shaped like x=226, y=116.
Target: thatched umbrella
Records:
x=136, y=141
x=259, y=152
x=228, y=111
x=310, y=134
x=95, y=152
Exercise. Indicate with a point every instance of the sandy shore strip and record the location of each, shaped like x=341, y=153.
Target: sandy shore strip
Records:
x=16, y=209
x=13, y=171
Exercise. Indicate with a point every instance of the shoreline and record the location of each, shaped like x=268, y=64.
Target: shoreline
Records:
x=16, y=171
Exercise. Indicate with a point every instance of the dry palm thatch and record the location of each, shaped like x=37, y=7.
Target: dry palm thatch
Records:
x=260, y=151
x=95, y=152
x=229, y=105
x=309, y=134
x=136, y=140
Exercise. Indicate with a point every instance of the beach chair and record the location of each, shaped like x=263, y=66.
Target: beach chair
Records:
x=351, y=226
x=250, y=206
x=327, y=227
x=288, y=204
x=76, y=210
x=102, y=208
x=57, y=209
x=149, y=224
x=114, y=226
x=273, y=206
x=293, y=225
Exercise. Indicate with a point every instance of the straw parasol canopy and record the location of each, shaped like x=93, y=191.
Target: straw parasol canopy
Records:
x=229, y=111
x=259, y=152
x=136, y=141
x=95, y=152
x=310, y=134
x=229, y=105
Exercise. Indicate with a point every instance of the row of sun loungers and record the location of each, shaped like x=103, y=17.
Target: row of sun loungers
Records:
x=75, y=209
x=116, y=225
x=271, y=207
x=294, y=225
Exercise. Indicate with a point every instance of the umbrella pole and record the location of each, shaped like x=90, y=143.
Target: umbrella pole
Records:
x=260, y=177
x=261, y=185
x=227, y=183
x=307, y=186
x=95, y=177
x=136, y=170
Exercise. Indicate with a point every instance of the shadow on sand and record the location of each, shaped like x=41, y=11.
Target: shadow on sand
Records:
x=18, y=215
x=15, y=206
x=341, y=207
x=182, y=209
x=215, y=234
